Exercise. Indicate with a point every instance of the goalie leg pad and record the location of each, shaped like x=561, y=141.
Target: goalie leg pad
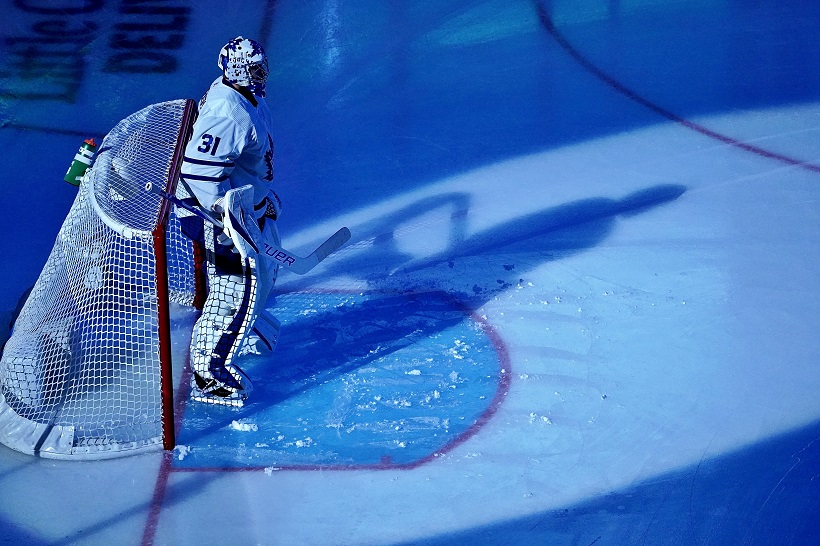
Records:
x=265, y=333
x=263, y=337
x=226, y=319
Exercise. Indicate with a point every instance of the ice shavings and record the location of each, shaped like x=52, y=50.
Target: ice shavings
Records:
x=435, y=395
x=307, y=442
x=182, y=451
x=244, y=426
x=460, y=349
x=534, y=417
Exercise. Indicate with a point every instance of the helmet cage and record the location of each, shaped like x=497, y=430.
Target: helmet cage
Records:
x=258, y=72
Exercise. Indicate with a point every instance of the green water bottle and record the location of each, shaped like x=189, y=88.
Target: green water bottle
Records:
x=81, y=162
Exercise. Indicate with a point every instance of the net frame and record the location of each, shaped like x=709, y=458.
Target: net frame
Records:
x=87, y=371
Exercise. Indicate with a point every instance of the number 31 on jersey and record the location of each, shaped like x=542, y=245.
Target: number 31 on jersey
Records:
x=209, y=144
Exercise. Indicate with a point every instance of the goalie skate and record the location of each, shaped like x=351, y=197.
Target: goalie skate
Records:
x=209, y=390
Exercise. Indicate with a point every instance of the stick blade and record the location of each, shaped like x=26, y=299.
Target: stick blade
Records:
x=332, y=244
x=300, y=266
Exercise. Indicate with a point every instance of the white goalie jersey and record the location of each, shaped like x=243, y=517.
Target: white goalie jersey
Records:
x=231, y=146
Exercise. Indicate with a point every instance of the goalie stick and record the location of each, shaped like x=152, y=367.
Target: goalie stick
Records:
x=298, y=264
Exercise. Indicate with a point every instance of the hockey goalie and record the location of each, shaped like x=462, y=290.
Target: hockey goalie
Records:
x=231, y=213
x=227, y=170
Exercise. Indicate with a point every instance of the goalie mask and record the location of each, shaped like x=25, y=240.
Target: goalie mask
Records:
x=243, y=62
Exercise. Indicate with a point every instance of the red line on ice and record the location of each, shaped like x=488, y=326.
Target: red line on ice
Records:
x=634, y=96
x=160, y=488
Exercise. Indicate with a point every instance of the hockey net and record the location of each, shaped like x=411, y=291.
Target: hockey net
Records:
x=86, y=372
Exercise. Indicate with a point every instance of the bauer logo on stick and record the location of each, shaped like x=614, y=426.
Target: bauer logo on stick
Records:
x=279, y=256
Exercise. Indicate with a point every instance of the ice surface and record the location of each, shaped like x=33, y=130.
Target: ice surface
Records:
x=579, y=304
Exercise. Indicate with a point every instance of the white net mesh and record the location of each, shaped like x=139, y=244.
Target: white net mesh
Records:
x=80, y=375
x=184, y=287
